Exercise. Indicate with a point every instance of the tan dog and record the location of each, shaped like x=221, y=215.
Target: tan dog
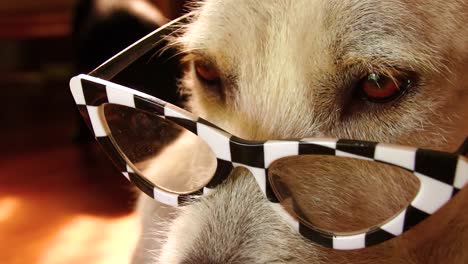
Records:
x=298, y=68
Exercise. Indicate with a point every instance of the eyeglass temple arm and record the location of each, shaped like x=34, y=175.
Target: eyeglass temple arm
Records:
x=120, y=61
x=463, y=150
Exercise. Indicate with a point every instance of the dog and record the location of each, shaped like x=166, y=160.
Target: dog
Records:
x=301, y=68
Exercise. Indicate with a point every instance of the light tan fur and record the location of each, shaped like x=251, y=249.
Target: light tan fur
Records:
x=287, y=70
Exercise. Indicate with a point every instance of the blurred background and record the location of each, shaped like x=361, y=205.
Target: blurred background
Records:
x=61, y=200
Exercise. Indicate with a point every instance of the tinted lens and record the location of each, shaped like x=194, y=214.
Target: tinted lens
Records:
x=165, y=153
x=341, y=195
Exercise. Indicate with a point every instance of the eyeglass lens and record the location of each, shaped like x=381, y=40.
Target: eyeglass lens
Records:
x=340, y=194
x=165, y=153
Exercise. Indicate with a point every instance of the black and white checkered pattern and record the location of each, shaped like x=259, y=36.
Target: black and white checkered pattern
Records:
x=441, y=174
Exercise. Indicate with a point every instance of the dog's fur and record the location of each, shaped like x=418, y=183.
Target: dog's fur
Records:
x=288, y=68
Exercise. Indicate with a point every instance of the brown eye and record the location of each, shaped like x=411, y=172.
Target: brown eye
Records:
x=206, y=72
x=382, y=89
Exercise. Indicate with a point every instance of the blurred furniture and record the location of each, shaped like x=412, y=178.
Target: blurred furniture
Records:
x=20, y=19
x=171, y=8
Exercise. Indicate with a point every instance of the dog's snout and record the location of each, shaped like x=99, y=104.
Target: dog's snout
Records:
x=235, y=207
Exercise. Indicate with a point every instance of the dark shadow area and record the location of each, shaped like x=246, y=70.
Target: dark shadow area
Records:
x=59, y=195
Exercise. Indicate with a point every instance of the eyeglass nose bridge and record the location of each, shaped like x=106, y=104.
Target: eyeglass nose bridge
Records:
x=259, y=174
x=232, y=152
x=256, y=157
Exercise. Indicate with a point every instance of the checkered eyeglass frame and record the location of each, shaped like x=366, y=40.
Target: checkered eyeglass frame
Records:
x=441, y=174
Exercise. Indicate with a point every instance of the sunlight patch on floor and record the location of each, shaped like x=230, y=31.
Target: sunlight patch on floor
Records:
x=8, y=206
x=90, y=240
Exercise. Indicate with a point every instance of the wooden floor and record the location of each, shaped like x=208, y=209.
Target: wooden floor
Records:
x=60, y=202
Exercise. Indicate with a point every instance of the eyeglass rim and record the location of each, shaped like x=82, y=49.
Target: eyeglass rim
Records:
x=90, y=92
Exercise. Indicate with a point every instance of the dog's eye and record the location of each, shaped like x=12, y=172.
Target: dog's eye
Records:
x=381, y=89
x=206, y=72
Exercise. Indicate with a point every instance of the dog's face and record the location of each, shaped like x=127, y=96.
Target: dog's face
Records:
x=301, y=68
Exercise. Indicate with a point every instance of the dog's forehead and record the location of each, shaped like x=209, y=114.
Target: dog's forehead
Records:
x=241, y=30
x=346, y=31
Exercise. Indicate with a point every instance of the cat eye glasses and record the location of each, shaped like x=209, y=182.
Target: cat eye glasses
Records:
x=177, y=158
